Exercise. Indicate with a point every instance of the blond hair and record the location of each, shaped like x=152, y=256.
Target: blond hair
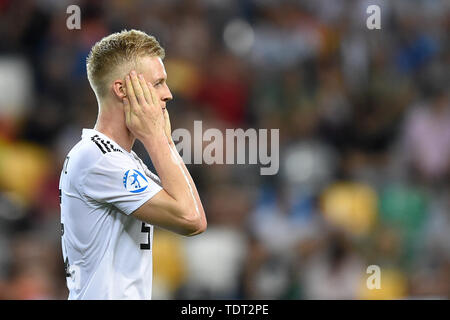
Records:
x=110, y=55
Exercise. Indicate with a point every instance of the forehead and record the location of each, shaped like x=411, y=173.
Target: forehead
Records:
x=152, y=68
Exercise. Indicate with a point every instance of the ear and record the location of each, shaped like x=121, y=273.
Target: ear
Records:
x=119, y=89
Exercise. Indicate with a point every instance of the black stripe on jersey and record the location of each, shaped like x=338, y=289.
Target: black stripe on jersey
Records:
x=98, y=145
x=112, y=147
x=104, y=146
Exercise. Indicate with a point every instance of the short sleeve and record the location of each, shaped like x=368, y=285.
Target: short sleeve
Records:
x=117, y=180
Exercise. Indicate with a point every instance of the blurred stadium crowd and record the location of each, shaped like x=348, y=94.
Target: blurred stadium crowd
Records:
x=364, y=119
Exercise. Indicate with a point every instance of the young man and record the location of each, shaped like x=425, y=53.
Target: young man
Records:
x=109, y=199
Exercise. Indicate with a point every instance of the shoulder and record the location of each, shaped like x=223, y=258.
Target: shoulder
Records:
x=94, y=151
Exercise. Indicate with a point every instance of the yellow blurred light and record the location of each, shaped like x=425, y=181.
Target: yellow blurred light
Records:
x=169, y=265
x=393, y=285
x=349, y=205
x=23, y=166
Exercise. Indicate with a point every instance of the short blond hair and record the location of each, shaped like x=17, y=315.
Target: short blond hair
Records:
x=116, y=50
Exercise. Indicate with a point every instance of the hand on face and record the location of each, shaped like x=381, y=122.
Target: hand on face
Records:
x=144, y=116
x=167, y=126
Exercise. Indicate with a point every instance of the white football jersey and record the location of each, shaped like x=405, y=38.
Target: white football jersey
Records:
x=107, y=253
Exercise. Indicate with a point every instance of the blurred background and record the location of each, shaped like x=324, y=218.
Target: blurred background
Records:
x=364, y=119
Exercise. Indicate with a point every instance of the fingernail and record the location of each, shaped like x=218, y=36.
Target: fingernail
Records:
x=128, y=77
x=133, y=73
x=141, y=76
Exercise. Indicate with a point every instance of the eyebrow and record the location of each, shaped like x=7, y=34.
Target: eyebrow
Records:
x=160, y=79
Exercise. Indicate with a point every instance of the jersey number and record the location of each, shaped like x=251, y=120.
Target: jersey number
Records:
x=66, y=162
x=145, y=229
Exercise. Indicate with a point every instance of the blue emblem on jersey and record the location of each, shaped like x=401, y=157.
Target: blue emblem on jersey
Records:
x=134, y=181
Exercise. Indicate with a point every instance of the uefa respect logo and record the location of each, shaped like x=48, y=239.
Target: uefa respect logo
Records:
x=134, y=181
x=234, y=146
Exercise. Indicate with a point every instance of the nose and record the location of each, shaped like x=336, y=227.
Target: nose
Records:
x=167, y=95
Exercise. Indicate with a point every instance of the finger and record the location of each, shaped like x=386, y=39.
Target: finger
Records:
x=137, y=89
x=131, y=95
x=167, y=121
x=145, y=89
x=154, y=94
x=126, y=109
x=166, y=115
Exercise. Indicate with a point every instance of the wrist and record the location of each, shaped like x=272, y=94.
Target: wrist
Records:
x=154, y=141
x=171, y=143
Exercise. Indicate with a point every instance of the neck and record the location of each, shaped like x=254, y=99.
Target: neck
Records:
x=111, y=123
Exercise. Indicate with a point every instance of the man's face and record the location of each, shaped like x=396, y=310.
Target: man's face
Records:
x=154, y=72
